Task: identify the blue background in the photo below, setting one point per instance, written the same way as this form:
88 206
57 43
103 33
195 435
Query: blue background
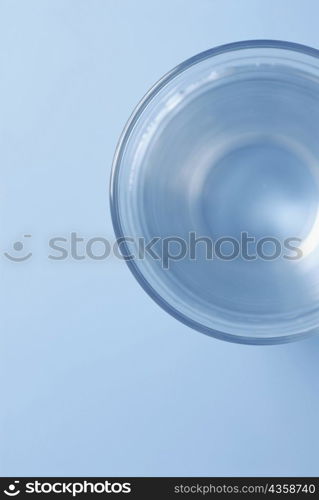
95 378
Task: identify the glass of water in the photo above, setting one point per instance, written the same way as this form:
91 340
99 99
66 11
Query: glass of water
215 192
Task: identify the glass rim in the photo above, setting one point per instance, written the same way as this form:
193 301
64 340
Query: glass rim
116 164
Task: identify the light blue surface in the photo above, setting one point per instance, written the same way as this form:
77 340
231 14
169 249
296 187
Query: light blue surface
95 378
